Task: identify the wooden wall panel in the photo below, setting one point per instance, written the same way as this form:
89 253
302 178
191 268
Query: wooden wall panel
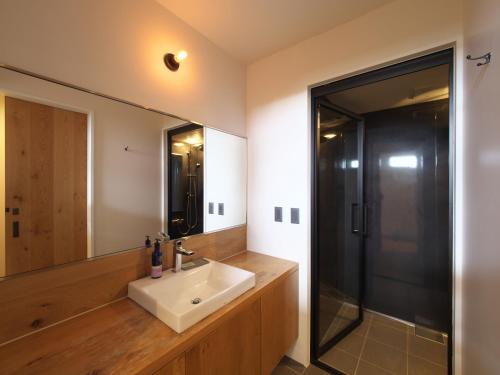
35 300
215 245
280 321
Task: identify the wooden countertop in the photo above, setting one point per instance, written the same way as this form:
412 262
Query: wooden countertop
123 338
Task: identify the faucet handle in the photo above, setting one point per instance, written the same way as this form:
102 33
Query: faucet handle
180 250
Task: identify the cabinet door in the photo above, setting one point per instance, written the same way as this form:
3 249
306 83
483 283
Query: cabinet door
280 321
232 349
176 367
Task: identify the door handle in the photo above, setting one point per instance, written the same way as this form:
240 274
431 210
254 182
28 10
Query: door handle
354 207
365 220
15 229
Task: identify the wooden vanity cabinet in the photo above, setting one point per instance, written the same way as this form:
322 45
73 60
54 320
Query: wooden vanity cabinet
248 336
252 342
233 348
280 321
175 367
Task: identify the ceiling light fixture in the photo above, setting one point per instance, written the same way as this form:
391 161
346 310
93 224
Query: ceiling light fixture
330 135
173 61
194 140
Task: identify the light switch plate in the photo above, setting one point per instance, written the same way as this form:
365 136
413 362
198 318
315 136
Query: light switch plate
294 216
278 214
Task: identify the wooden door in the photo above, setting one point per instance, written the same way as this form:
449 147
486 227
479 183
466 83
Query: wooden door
232 349
45 186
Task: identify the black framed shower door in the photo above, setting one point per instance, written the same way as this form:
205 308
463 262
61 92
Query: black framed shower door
340 226
353 213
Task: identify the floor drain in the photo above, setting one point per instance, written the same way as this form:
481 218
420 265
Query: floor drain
196 301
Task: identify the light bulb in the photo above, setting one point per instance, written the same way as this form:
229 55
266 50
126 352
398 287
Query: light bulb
181 55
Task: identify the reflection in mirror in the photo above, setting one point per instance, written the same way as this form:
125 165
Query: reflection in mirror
185 145
226 180
46 185
86 175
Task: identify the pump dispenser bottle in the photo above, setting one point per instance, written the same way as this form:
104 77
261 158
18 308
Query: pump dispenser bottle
156 261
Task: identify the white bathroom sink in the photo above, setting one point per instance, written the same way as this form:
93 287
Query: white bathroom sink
172 298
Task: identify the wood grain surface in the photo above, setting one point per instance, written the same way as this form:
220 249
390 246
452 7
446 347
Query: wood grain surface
278 334
46 182
34 300
123 338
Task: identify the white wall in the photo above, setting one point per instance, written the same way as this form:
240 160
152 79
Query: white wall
126 185
481 329
225 179
128 191
117 47
278 118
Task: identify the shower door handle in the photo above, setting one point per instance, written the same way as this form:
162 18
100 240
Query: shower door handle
365 220
354 207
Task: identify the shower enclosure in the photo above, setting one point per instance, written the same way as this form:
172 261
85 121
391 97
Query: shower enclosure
185 147
382 205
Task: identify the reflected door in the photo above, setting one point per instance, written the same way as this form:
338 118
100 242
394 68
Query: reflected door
45 186
339 224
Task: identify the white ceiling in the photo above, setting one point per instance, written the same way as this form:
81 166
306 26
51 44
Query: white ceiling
251 29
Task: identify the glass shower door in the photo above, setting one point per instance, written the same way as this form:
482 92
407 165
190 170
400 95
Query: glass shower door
339 224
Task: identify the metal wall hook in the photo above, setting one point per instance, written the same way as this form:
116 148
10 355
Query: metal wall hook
486 57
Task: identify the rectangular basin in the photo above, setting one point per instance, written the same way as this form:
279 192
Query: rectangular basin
184 298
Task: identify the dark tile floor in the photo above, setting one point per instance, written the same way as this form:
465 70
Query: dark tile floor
380 346
344 315
290 367
386 346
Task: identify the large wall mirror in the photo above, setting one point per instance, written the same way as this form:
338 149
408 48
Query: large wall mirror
86 175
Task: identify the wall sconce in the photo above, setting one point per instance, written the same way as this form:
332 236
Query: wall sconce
173 61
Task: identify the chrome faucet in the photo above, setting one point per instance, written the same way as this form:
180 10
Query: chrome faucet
179 251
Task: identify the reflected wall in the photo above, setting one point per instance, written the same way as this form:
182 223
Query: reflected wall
87 174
